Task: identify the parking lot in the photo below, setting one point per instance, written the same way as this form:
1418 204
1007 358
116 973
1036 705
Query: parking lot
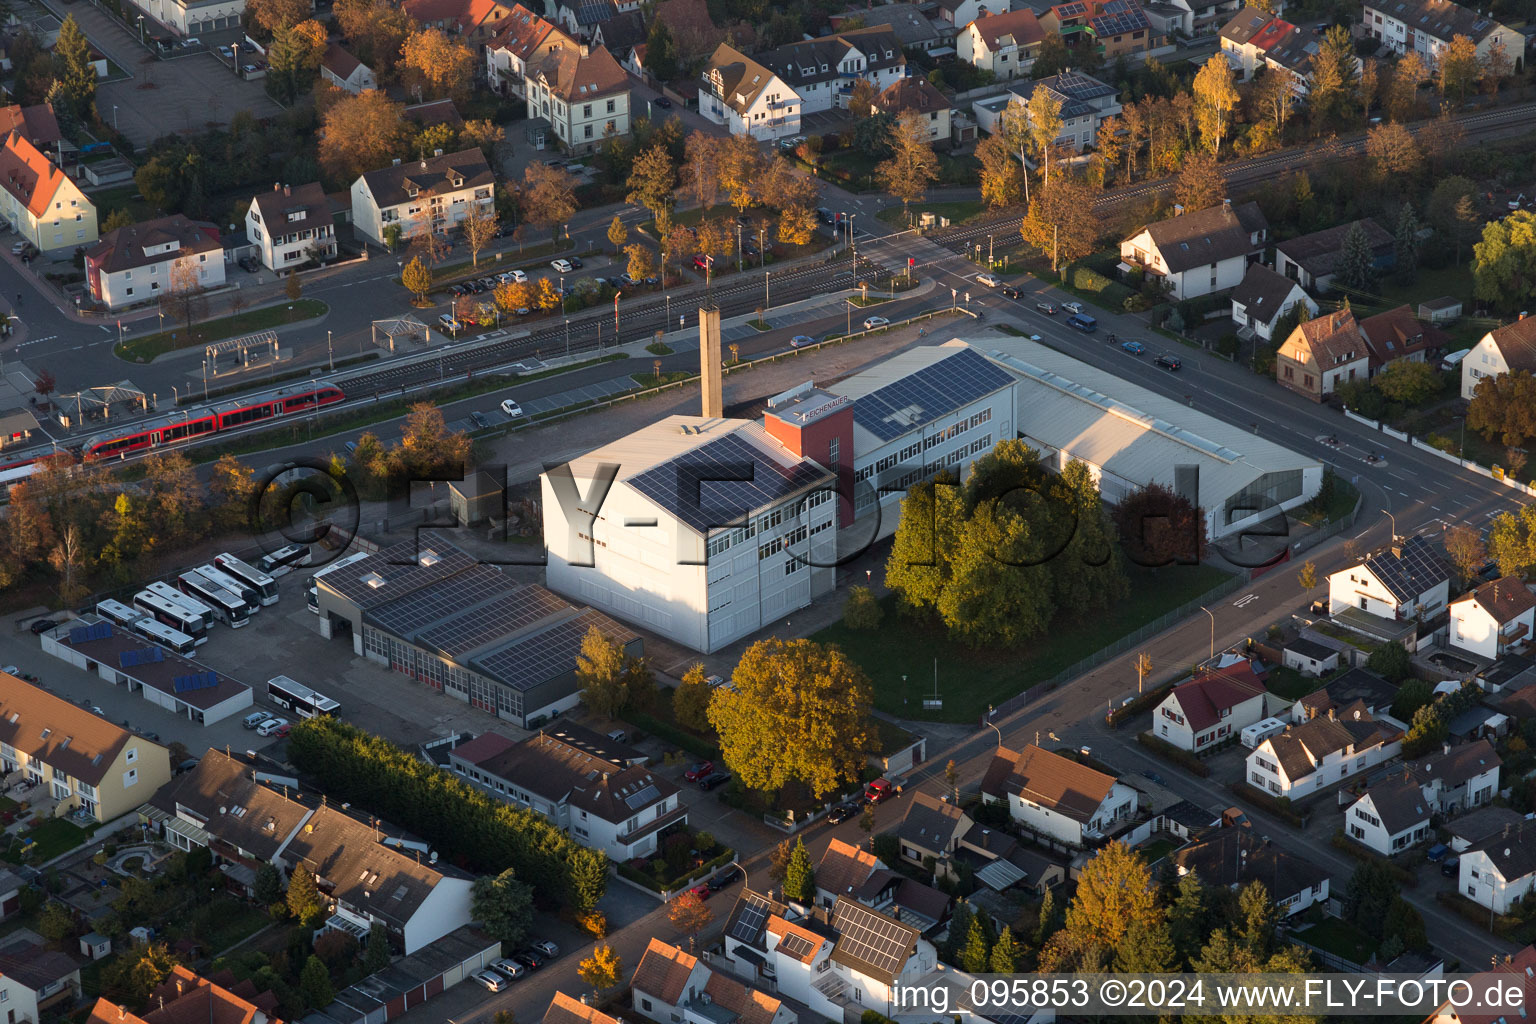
186 94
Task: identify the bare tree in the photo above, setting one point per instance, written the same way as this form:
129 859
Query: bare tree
479 228
185 297
68 560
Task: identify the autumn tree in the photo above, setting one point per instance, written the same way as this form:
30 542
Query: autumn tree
1394 156
272 16
861 100
549 195
797 710
1001 175
359 134
294 59
739 163
1216 97
1061 221
417 279
74 70
375 29
1331 78
230 487
1504 262
1160 527
600 670
602 970
479 225
184 294
912 166
438 63
1503 408
701 168
689 915
1496 68
1200 184
1114 893
1402 97
617 233
1466 551
1458 68
797 225
1044 113
503 906
642 261
71 560
690 701
1368 88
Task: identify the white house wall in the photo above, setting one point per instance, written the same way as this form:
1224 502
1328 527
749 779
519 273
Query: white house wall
446 908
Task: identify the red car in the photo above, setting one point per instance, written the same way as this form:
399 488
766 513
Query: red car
879 791
698 771
283 729
701 262
701 891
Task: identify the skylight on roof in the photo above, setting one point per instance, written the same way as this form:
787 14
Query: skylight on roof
374 580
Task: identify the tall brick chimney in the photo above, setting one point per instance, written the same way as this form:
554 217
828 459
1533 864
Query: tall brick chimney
709 362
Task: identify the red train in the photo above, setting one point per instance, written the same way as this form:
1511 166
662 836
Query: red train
190 424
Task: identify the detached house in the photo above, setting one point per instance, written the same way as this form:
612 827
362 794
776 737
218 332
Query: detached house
37 124
1215 706
822 71
1004 43
843 870
1232 857
37 983
580 90
39 200
922 98
1308 758
1198 253
1109 28
963 12
1397 335
1313 260
747 98
1391 816
1321 354
1246 38
149 260
1500 871
185 997
1054 796
1427 27
931 830
1401 581
1085 102
343 70
292 226
432 194
475 21
1507 349
670 984
515 44
1460 778
1263 298
847 871
598 790
1493 617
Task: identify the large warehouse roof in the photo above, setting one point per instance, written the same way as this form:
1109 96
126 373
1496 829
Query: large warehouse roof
1130 431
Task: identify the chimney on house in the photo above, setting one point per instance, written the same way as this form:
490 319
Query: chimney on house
1226 204
437 152
586 50
1331 716
287 191
276 187
1178 209
1397 547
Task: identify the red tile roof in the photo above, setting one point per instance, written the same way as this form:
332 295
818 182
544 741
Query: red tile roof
27 174
565 1010
1271 34
1054 782
663 971
1022 25
186 998
1204 699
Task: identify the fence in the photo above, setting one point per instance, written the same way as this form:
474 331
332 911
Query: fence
1333 529
1326 959
1119 647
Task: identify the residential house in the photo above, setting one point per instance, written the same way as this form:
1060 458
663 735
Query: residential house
1291 56
1391 816
1198 253
1194 18
1321 354
1467 830
1460 778
1309 657
822 71
580 90
1001 862
1401 581
747 98
516 43
1108 28
1055 796
1500 871
1005 43
1493 617
692 29
291 226
1247 36
153 259
1084 100
343 70
843 870
1215 706
669 984
963 12
1307 758
431 194
620 34
922 98
1399 335
36 124
433 112
564 1009
846 870
598 790
1262 298
224 806
1507 349
83 761
40 201
473 21
1355 686
581 18
1313 260
931 829
185 997
190 18
1427 27
1517 971
36 983
914 28
1232 857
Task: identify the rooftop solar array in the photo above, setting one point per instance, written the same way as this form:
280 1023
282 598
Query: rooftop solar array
796 945
409 615
1408 576
1071 10
642 798
751 918
871 938
401 569
549 653
1118 17
510 612
719 483
925 395
140 656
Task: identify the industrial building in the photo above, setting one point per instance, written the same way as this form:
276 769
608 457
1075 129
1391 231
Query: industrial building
428 609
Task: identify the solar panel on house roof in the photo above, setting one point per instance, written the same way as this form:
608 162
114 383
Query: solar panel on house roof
635 801
437 601
796 945
509 613
718 483
549 653
871 938
925 395
749 923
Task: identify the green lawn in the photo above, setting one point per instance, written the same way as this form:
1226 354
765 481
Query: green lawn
50 839
958 212
124 197
1340 503
1340 938
900 655
1154 852
145 348
1291 684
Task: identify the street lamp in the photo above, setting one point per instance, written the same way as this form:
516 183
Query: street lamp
766 303
114 117
990 712
989 252
330 353
1213 629
1390 516
141 30
616 296
567 335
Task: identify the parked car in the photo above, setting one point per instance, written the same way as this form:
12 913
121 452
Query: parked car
662 102
801 339
227 52
1072 307
350 446
449 323
191 41
283 730
255 718
879 791
870 323
1135 348
701 262
511 968
546 947
1154 777
42 626
490 980
515 276
698 770
575 261
250 264
841 813
270 726
1451 867
478 418
714 779
562 266
18 248
1168 362
486 283
724 878
529 958
511 408
989 280
701 891
1048 308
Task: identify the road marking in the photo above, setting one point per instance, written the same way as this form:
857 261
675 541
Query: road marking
1245 600
1435 507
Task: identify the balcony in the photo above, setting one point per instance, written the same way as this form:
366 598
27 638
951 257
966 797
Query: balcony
672 817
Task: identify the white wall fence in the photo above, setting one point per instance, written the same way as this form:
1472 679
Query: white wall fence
1424 446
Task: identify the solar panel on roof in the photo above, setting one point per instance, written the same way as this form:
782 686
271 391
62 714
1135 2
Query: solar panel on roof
923 396
719 483
507 614
434 603
644 798
796 945
749 923
871 938
549 653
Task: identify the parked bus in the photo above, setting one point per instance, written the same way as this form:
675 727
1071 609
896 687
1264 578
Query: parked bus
165 636
312 593
191 604
228 608
292 695
284 560
118 614
264 585
170 613
244 591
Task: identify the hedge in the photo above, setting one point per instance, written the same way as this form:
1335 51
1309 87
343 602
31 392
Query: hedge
673 734
1145 701
467 826
1503 926
1405 878
1183 758
1270 803
1111 294
648 880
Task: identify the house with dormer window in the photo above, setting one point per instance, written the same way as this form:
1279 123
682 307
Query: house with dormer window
292 225
432 194
1390 816
1215 706
822 71
1200 252
1427 27
40 201
1323 353
1493 618
1402 581
746 97
148 260
1323 751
